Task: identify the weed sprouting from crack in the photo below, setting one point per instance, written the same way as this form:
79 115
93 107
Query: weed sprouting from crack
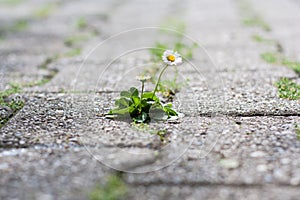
288 89
114 188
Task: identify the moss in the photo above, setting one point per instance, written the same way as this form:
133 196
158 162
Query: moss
114 189
288 89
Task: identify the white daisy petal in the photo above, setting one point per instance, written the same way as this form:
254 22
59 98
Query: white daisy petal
171 58
143 78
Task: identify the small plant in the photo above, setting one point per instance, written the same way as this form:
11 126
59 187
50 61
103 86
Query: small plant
170 87
292 64
256 21
145 106
114 189
276 58
15 104
81 23
288 89
46 10
72 40
72 52
157 51
260 39
270 57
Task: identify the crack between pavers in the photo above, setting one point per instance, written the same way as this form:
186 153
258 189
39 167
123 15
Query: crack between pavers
162 183
249 114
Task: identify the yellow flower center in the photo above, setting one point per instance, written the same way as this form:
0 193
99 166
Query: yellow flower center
171 58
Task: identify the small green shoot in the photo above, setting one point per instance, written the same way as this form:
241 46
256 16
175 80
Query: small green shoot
260 39
114 189
170 87
73 52
276 58
72 40
288 89
157 51
45 11
81 23
270 57
291 64
256 21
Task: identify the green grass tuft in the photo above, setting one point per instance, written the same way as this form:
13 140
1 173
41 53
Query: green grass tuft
114 189
256 21
260 39
45 11
73 52
270 57
14 104
73 40
14 88
288 89
81 23
292 64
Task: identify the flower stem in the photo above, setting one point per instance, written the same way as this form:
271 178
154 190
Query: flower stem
143 85
158 80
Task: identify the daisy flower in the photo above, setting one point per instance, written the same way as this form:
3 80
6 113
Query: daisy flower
143 78
171 58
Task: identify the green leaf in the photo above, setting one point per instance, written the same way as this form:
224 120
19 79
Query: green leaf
170 111
136 100
149 96
134 92
125 94
118 111
122 103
